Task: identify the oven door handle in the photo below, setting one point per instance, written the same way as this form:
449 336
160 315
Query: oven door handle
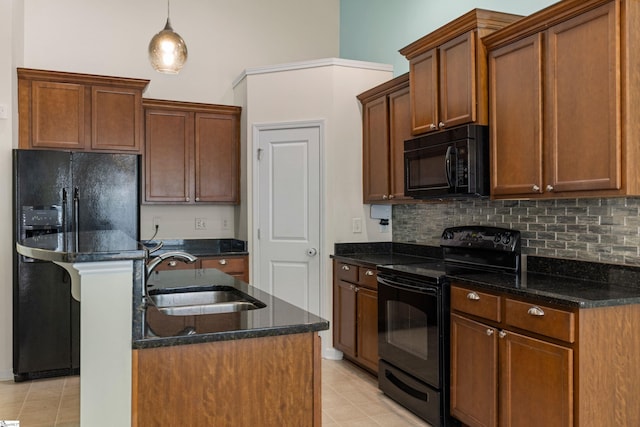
430 290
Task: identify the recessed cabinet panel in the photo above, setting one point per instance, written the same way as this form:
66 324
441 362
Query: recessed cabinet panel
167 155
583 103
458 80
116 115
423 71
58 119
376 150
516 118
217 158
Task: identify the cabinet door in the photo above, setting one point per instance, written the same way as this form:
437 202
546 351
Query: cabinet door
536 383
368 328
116 118
375 150
474 376
217 158
59 115
344 317
583 102
516 118
167 156
399 131
457 73
423 76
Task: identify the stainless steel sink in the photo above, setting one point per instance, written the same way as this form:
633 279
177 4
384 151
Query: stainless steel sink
223 299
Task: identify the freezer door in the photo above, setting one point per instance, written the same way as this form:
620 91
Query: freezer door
105 190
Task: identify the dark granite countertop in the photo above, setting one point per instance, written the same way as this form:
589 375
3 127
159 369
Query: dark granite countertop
277 318
201 247
381 253
84 246
568 283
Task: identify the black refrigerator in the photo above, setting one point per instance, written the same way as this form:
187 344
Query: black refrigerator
61 191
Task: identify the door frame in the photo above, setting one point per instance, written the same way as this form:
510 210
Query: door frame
255 198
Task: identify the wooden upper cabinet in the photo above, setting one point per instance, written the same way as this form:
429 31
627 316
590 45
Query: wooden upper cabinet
192 152
557 103
448 74
386 124
80 112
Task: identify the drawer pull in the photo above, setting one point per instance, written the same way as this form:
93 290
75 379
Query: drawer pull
368 273
535 311
473 296
346 268
223 262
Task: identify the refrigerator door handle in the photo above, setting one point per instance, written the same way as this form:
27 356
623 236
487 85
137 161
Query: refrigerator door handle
64 209
76 213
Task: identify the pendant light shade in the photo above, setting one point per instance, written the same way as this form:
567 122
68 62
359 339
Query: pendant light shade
167 50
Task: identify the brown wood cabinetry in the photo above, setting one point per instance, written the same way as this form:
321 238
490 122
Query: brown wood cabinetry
561 81
268 381
234 265
355 313
516 363
448 72
192 152
386 124
80 112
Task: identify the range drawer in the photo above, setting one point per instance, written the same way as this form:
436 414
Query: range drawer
475 303
347 272
540 319
368 277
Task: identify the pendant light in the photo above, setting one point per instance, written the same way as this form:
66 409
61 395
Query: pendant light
167 50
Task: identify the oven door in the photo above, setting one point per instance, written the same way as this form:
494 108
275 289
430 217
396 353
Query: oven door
410 327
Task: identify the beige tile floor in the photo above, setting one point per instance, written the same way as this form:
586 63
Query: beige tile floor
350 398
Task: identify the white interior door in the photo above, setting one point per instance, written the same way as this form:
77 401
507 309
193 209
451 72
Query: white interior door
288 226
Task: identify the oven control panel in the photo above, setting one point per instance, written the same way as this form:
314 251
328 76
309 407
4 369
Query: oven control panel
479 237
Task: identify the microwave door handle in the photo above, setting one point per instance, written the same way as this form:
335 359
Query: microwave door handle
447 165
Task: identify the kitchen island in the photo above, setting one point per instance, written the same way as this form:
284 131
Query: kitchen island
248 367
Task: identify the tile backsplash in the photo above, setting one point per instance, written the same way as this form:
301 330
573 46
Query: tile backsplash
603 230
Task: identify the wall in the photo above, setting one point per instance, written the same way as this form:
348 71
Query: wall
111 38
374 30
321 90
604 230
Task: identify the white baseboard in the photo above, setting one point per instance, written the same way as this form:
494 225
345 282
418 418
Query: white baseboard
331 353
6 375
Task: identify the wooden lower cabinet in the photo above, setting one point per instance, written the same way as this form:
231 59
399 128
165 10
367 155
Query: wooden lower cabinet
267 381
234 265
516 363
355 314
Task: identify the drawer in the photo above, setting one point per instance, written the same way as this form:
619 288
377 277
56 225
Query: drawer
540 319
225 264
475 303
347 272
368 277
175 264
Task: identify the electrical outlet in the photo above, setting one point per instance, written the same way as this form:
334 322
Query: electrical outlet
225 224
201 224
356 225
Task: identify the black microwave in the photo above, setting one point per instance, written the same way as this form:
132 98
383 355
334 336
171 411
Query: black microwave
449 163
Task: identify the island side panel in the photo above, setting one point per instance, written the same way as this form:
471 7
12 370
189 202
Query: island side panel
266 381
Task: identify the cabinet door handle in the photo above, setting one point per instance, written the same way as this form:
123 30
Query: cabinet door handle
490 332
345 268
549 187
187 199
441 125
433 127
473 296
384 197
536 311
223 262
535 188
197 199
502 334
369 273
173 263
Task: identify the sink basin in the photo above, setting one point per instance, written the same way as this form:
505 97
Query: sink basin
222 299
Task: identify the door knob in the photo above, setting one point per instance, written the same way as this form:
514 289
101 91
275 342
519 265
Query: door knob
312 251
